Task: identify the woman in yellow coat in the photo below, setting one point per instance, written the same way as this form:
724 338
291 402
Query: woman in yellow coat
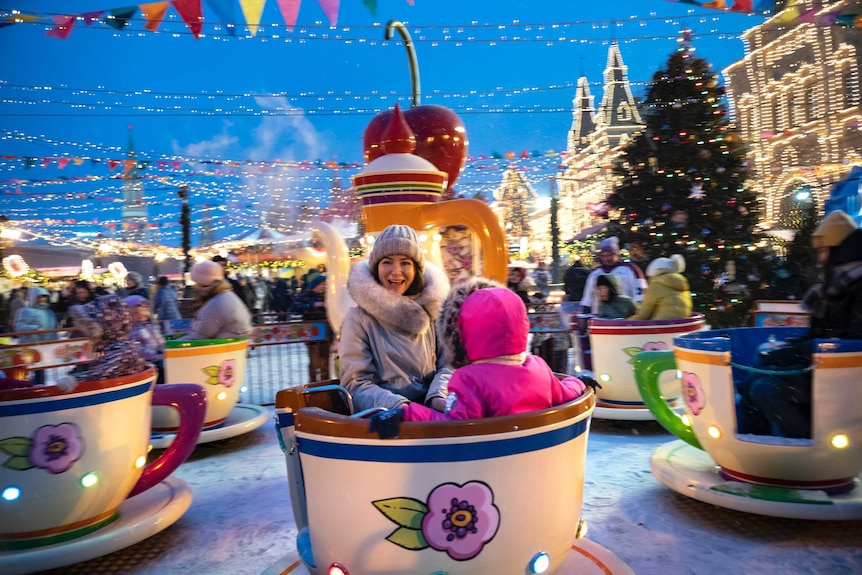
667 295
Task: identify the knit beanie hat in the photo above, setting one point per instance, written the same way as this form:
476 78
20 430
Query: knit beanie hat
611 244
675 264
206 273
397 240
833 230
134 301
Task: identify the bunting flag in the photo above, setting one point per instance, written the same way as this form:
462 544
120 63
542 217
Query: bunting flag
63 28
372 6
154 13
190 12
225 11
289 11
252 10
119 18
90 17
330 8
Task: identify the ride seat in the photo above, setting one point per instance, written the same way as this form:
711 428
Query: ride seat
327 395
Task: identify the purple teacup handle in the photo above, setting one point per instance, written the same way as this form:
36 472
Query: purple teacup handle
190 400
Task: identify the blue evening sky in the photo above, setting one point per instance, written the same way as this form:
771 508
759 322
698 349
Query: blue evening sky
509 69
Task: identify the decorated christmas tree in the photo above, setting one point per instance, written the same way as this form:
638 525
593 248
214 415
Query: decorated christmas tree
683 190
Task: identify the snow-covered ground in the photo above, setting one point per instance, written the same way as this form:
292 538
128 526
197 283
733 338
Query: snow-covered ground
240 521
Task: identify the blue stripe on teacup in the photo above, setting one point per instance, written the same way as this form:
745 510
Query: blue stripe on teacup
389 453
58 403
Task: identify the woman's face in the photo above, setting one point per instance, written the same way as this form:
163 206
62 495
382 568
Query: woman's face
396 273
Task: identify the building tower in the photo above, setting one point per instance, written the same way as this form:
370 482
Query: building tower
134 210
207 236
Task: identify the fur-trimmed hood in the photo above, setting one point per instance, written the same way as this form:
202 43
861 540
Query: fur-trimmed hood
402 314
447 324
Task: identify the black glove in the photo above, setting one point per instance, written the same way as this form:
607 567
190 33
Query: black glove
385 423
590 382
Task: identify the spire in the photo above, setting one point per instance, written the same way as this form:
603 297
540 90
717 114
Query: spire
618 115
583 117
131 153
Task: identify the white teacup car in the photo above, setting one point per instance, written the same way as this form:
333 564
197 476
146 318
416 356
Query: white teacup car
217 365
496 495
719 461
608 348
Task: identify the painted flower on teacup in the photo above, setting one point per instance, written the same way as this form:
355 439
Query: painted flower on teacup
223 374
52 447
693 392
457 519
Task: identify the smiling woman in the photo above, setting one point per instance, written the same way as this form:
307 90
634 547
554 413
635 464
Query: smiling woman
388 350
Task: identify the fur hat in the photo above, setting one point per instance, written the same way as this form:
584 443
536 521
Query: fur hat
397 240
611 244
137 278
447 322
206 273
833 230
675 264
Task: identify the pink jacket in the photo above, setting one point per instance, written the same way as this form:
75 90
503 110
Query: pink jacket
500 379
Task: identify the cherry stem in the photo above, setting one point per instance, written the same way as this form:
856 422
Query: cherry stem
411 57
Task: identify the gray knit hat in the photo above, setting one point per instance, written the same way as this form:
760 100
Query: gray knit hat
397 240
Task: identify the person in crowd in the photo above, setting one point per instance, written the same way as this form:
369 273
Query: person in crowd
632 281
166 302
234 283
388 349
245 293
542 279
612 305
145 332
518 283
667 295
219 313
312 305
17 300
280 299
135 285
107 321
575 279
37 315
493 375
780 403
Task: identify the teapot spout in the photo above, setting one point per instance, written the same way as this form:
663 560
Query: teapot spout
338 300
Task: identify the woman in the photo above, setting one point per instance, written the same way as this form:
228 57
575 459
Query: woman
312 305
37 315
388 349
219 311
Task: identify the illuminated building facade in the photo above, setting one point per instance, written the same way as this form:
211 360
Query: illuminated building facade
796 99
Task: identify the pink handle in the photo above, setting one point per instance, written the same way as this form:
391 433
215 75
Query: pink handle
190 400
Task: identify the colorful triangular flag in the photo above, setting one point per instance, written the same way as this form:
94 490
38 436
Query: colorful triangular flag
251 10
190 12
154 13
330 8
63 28
289 11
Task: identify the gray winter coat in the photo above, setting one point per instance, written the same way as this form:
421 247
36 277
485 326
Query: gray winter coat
223 316
388 350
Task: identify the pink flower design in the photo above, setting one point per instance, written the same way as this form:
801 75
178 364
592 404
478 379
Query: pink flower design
227 372
461 519
655 346
693 392
56 447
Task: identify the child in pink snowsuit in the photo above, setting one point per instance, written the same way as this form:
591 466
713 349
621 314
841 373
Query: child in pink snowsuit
484 329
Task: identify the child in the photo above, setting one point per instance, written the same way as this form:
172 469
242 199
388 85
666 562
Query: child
146 333
484 329
612 304
107 322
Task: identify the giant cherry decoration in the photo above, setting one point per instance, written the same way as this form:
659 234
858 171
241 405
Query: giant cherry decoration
440 135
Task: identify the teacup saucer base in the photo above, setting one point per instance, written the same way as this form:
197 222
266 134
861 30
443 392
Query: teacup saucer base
692 472
141 516
585 558
241 419
631 414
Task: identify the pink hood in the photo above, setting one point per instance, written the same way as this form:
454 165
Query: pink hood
493 323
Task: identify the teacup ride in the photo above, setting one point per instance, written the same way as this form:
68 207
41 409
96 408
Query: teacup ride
496 495
74 479
608 348
719 462
217 365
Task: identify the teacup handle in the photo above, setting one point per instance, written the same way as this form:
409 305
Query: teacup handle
190 400
648 365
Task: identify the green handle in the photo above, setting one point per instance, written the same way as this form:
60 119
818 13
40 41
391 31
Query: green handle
411 57
648 365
